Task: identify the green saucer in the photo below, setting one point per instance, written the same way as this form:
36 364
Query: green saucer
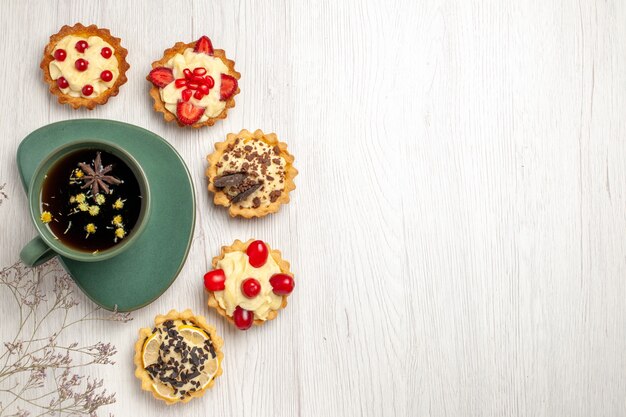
142 273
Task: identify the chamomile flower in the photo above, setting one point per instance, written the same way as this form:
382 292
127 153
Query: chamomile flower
100 199
46 217
90 229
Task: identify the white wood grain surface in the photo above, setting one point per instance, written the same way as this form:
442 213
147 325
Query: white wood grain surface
458 230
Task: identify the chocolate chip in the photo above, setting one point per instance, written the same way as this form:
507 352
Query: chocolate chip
275 194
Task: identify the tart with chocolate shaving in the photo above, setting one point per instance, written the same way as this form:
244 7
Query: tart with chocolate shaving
84 65
251 174
249 283
194 84
179 358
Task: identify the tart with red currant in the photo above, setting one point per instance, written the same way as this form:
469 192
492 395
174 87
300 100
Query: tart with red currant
249 283
194 84
251 173
84 65
179 358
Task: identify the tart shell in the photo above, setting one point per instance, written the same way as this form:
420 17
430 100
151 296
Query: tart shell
239 246
145 333
85 31
159 105
221 199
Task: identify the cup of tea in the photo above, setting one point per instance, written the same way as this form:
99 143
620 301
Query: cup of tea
89 201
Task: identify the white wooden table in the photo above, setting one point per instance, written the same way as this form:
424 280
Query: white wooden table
458 232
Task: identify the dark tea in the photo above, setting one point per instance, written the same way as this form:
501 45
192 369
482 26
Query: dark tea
91 200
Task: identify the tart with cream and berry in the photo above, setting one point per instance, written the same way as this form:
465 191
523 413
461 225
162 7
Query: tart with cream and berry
249 284
194 84
179 358
84 65
251 174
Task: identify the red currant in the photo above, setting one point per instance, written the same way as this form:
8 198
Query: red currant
60 55
87 90
257 253
106 76
209 81
187 93
81 64
81 46
243 318
62 82
282 284
106 52
198 95
187 73
250 287
180 83
214 280
199 71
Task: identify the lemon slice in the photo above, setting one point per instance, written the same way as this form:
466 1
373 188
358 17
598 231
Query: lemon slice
196 337
210 369
150 352
193 335
164 391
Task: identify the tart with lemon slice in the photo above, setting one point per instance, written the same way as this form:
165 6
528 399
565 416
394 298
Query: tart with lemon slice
179 358
249 283
251 173
84 65
194 84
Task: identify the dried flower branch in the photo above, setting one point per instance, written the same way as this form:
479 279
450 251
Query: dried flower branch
3 195
39 373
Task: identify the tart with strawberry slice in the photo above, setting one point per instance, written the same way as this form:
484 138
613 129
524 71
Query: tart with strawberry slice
249 283
84 65
194 84
251 173
179 358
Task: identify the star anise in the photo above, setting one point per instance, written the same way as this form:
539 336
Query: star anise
96 177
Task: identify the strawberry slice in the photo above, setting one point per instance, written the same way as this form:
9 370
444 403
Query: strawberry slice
228 87
188 113
204 45
161 76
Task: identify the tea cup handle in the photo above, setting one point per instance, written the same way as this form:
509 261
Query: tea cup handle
36 252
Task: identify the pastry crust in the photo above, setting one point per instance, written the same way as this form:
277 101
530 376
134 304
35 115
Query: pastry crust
145 333
239 246
159 105
85 31
221 199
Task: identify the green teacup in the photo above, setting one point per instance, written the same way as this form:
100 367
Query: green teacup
50 243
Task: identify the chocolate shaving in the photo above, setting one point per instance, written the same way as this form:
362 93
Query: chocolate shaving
229 180
245 194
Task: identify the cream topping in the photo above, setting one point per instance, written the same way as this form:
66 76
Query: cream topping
97 63
262 162
183 364
215 67
236 269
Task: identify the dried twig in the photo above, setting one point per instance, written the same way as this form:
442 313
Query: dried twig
39 374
